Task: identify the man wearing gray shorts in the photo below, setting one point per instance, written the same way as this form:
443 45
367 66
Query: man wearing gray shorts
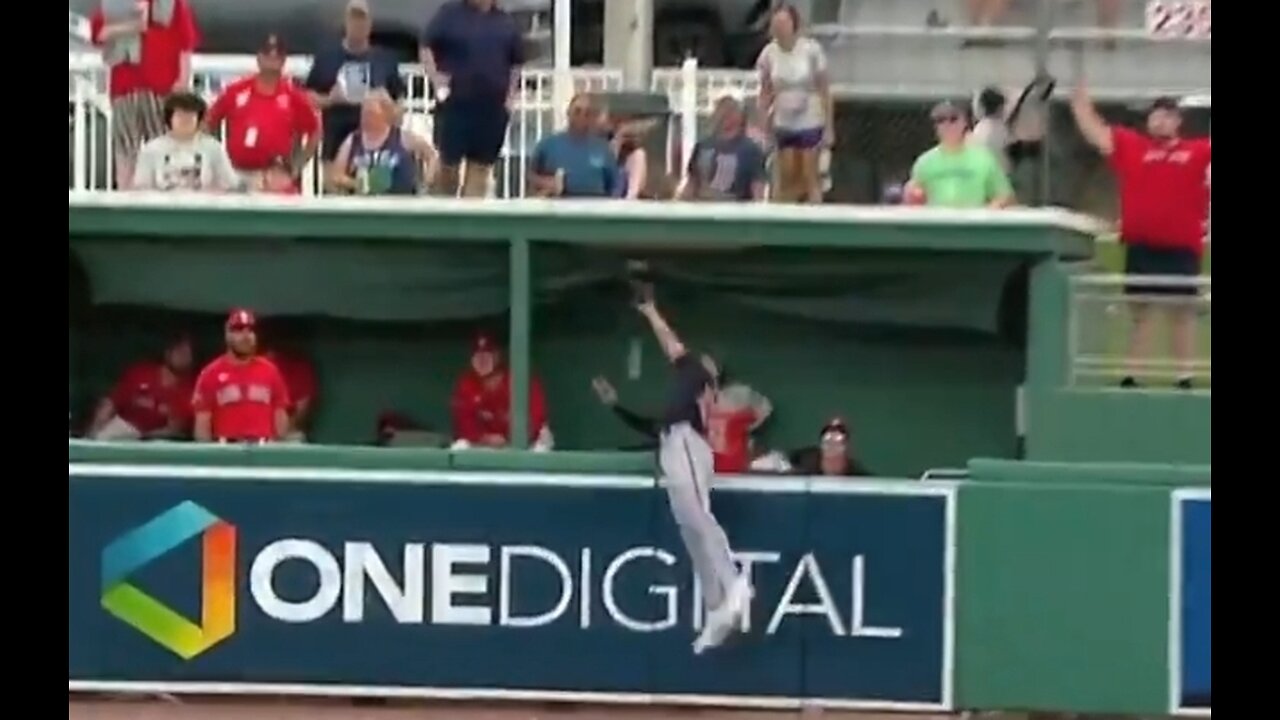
685 459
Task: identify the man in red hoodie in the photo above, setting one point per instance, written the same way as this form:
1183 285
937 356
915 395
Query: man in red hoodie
481 405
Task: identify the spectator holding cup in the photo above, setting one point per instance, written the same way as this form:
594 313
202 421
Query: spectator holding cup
577 162
343 75
472 52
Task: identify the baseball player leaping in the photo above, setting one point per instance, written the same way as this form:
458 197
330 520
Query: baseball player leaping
685 460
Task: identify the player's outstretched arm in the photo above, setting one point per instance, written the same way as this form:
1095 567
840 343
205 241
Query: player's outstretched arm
667 337
1091 124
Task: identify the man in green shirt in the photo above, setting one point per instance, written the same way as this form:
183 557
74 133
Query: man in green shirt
954 173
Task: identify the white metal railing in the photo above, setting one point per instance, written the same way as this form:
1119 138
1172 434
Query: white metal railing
533 116
691 93
1101 321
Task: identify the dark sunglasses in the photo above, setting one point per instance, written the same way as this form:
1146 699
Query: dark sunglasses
945 119
240 328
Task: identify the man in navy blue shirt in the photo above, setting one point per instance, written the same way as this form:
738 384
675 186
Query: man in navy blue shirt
472 52
577 162
728 166
343 75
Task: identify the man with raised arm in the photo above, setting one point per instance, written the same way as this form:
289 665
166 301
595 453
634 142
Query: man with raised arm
687 465
1164 204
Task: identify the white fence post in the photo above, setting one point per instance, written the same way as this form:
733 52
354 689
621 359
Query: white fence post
688 111
562 82
79 140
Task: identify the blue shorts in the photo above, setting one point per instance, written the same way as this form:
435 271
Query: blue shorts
799 139
470 129
1142 259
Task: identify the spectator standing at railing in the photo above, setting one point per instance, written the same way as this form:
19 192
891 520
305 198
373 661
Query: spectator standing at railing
729 165
380 157
577 162
267 116
1164 203
795 93
147 44
185 158
955 173
472 51
342 76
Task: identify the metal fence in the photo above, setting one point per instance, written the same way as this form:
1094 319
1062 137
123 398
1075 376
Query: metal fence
1101 323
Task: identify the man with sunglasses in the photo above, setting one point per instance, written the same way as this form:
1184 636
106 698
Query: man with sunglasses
578 162
955 173
267 116
241 396
688 467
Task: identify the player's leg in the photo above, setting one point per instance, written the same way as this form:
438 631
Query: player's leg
1183 312
687 479
487 133
1138 262
450 140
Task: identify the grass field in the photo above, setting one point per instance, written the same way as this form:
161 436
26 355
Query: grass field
1103 324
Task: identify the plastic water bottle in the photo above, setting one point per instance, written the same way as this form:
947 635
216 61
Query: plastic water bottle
362 181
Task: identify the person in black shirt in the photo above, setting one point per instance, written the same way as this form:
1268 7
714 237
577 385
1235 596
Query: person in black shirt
687 465
832 456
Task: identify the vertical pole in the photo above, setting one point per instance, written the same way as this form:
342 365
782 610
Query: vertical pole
561 43
79 138
1044 26
520 347
688 111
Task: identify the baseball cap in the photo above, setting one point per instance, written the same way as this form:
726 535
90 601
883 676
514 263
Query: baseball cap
273 43
1165 102
484 342
835 429
358 6
947 108
240 319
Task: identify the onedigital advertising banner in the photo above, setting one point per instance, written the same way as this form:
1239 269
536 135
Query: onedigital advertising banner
524 585
1191 602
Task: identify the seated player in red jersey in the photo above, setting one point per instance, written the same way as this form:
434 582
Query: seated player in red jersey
241 396
482 402
300 379
151 400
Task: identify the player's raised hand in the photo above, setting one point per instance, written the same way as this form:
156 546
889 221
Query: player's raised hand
642 296
605 391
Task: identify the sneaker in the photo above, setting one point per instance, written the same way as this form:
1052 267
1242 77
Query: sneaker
1184 383
719 624
724 620
1128 382
738 600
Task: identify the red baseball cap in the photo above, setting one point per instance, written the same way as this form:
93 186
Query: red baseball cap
240 319
484 343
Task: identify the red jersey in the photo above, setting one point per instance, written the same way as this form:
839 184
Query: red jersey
729 434
241 397
162 48
262 126
479 410
298 376
1164 189
142 399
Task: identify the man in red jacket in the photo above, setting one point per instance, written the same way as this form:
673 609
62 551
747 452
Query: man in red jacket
266 117
481 404
1164 206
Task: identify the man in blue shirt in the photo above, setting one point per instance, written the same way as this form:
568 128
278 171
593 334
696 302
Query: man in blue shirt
577 162
342 76
472 52
728 166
